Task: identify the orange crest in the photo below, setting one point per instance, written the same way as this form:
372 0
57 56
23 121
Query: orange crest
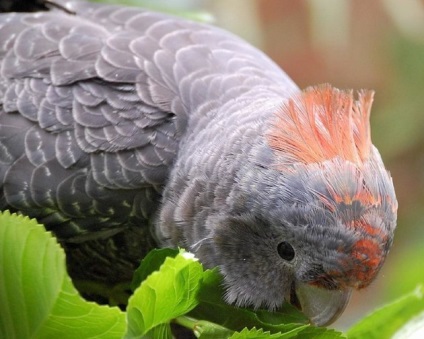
322 123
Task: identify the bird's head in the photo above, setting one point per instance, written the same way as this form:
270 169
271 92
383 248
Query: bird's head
313 216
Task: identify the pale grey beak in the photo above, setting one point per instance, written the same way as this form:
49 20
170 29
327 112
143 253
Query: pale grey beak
321 306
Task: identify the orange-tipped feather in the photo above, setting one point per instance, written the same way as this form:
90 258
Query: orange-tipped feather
322 123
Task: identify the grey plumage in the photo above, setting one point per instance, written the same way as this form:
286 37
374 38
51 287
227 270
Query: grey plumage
94 107
122 129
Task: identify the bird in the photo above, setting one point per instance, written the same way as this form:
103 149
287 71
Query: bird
124 129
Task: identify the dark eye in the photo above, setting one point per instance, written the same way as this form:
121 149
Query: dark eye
285 250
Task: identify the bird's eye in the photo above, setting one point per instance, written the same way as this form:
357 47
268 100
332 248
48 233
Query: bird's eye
285 250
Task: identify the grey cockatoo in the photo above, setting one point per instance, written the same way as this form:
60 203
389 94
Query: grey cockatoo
122 129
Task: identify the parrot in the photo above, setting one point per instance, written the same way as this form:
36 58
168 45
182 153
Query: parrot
123 129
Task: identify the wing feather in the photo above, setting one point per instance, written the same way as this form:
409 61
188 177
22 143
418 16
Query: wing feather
101 99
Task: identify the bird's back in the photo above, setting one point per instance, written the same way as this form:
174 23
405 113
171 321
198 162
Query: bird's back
95 101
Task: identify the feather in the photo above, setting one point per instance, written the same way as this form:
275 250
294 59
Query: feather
320 124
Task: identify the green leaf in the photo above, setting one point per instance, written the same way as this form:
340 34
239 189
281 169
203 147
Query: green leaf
386 321
162 331
260 334
164 295
37 297
213 308
413 329
287 321
150 263
312 332
204 329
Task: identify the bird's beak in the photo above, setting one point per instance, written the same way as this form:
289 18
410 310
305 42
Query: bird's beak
321 306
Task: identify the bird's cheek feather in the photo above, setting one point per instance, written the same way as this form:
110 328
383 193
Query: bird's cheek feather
357 270
369 256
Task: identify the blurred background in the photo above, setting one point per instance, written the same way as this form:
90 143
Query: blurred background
351 44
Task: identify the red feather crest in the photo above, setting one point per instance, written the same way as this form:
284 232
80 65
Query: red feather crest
322 123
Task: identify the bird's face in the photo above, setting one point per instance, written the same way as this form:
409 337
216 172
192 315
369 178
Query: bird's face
265 266
310 247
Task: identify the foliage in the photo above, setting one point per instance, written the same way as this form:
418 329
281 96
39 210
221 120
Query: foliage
38 299
386 321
